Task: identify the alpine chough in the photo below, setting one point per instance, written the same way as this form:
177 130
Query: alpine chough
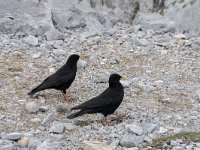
62 78
106 103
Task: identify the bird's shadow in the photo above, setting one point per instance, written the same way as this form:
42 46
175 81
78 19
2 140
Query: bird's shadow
83 123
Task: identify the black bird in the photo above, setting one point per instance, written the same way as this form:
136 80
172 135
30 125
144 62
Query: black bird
61 79
106 103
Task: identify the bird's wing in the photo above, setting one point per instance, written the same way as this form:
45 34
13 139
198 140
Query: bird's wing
102 100
56 80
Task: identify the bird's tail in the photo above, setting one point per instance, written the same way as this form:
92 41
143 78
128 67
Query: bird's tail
35 90
76 114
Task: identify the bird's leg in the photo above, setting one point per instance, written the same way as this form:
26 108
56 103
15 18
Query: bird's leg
120 116
67 96
106 121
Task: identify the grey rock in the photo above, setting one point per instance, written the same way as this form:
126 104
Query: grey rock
33 143
135 129
56 137
56 127
32 107
47 145
58 44
12 136
31 40
180 36
141 42
150 127
70 126
43 108
49 118
59 52
81 63
93 57
198 94
132 148
54 34
88 34
97 145
69 19
6 144
159 83
102 78
197 41
174 143
162 130
125 83
131 141
155 22
146 88
7 147
36 55
184 11
62 107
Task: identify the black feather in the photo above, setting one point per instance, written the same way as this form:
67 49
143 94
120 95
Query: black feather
61 79
106 103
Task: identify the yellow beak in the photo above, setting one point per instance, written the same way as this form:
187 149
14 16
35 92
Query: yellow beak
122 78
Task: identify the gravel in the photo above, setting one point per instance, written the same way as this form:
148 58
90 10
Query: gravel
32 107
56 127
161 95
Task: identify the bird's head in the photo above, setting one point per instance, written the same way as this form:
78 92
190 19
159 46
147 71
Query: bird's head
115 78
73 58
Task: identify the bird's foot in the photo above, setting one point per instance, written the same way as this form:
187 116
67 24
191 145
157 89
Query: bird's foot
120 117
106 121
68 97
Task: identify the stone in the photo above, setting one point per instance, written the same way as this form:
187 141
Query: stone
131 141
102 78
54 34
70 126
68 19
32 107
56 127
59 52
36 55
141 42
159 83
47 145
198 94
150 127
88 34
6 145
197 41
155 22
43 109
33 143
49 118
31 40
62 107
174 143
184 11
146 88
125 83
36 120
180 36
23 141
134 128
132 148
12 136
97 145
162 130
81 64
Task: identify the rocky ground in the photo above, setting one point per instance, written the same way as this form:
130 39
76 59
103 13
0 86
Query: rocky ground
162 90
